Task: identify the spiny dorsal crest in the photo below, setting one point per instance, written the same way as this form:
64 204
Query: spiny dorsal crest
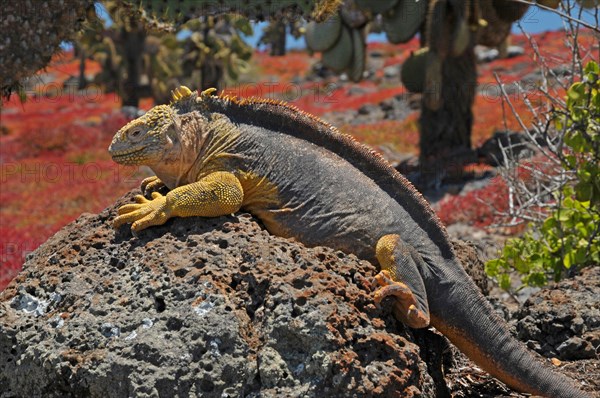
183 100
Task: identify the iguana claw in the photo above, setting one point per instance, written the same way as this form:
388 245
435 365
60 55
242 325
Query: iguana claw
151 184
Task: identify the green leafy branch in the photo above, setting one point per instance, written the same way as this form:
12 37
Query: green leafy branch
569 238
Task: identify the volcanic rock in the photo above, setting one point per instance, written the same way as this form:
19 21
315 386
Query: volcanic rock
199 307
564 321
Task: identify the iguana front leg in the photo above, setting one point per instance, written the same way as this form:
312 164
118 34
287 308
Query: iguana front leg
400 277
217 194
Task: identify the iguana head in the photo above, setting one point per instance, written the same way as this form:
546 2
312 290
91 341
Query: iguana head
145 140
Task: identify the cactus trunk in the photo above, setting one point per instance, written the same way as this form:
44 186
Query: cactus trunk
450 125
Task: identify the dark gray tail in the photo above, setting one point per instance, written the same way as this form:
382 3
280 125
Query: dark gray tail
462 314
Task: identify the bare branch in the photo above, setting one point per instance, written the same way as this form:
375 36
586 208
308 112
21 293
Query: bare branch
562 14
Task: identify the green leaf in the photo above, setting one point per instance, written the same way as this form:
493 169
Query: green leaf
595 101
537 279
591 67
581 255
576 141
583 191
549 224
565 214
582 229
536 261
571 161
521 265
584 175
492 266
509 251
504 281
576 91
569 258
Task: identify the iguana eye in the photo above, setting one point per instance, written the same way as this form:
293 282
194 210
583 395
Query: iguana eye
135 133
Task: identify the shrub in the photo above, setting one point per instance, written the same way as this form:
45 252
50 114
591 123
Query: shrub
569 237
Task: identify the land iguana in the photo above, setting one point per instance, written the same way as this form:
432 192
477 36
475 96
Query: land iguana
306 180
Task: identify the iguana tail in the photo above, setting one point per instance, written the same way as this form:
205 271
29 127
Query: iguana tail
461 313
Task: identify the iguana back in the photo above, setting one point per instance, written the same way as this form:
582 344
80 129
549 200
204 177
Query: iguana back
276 116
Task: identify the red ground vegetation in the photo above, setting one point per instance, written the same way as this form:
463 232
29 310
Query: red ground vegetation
478 207
54 166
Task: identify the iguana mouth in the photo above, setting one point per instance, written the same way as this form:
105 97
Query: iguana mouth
126 154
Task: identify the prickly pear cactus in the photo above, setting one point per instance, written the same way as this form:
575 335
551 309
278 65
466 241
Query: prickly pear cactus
342 45
32 31
339 57
589 3
183 10
508 10
359 55
549 3
496 28
376 6
321 36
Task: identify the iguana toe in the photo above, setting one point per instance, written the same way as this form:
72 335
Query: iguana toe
140 199
389 287
130 208
126 209
406 302
151 184
154 218
144 213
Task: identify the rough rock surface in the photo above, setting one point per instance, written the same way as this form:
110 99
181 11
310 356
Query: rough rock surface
467 255
212 307
564 322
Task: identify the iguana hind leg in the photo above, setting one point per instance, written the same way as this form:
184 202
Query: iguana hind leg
400 277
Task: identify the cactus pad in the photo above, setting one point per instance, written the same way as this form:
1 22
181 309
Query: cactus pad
339 56
402 22
321 36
